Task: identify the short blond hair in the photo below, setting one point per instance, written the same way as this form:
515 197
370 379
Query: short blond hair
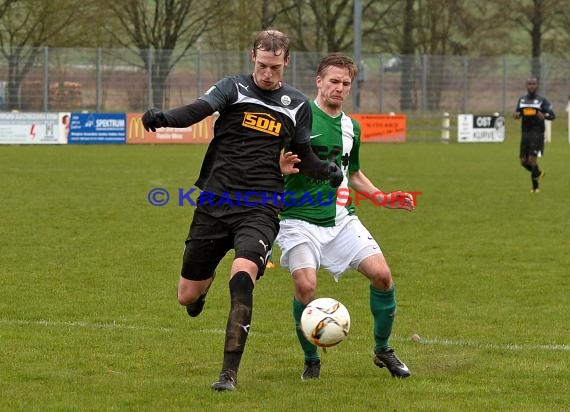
337 60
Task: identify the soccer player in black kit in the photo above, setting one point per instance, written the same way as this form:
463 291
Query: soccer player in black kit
534 110
241 183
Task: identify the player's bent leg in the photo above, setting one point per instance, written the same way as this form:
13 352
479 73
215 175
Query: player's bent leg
383 308
526 165
536 173
199 262
305 288
303 263
192 294
190 290
376 269
305 284
526 161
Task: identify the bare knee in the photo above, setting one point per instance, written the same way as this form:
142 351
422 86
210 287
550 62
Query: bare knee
382 278
305 285
377 271
190 290
185 298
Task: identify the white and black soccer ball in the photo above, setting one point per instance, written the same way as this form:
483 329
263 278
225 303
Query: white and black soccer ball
325 322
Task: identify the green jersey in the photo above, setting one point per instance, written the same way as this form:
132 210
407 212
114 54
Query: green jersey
335 139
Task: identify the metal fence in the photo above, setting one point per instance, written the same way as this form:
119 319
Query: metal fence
118 80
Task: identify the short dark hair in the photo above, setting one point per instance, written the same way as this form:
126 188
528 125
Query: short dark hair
271 40
337 60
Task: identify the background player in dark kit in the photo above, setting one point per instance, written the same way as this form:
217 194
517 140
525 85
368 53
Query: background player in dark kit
533 109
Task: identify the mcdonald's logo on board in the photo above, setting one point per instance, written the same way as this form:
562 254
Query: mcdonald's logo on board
203 129
135 129
201 132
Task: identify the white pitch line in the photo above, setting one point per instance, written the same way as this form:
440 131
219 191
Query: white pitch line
479 345
423 341
80 324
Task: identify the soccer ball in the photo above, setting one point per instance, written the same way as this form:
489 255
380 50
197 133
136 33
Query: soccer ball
325 322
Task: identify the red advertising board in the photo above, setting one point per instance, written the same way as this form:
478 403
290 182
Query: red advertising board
382 127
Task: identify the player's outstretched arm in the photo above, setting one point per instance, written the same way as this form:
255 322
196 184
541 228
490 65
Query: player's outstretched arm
394 200
400 200
179 117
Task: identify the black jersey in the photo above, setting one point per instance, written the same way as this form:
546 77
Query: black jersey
253 126
528 106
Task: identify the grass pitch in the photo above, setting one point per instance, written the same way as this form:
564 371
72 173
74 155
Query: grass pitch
88 274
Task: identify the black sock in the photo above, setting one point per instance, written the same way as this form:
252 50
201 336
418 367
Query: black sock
534 176
527 166
239 319
535 172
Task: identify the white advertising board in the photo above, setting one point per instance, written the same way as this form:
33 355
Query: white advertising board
476 128
33 128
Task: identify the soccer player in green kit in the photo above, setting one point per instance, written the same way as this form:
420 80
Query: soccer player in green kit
315 231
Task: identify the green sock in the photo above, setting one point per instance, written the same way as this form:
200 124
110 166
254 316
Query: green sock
310 350
383 308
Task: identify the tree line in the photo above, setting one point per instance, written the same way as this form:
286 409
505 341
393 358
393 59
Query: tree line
170 28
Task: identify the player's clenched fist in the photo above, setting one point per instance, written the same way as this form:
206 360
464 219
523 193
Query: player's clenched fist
153 119
335 174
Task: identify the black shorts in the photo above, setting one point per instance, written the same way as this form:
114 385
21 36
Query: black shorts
532 144
214 230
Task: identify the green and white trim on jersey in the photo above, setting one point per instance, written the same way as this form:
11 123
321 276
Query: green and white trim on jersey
315 201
